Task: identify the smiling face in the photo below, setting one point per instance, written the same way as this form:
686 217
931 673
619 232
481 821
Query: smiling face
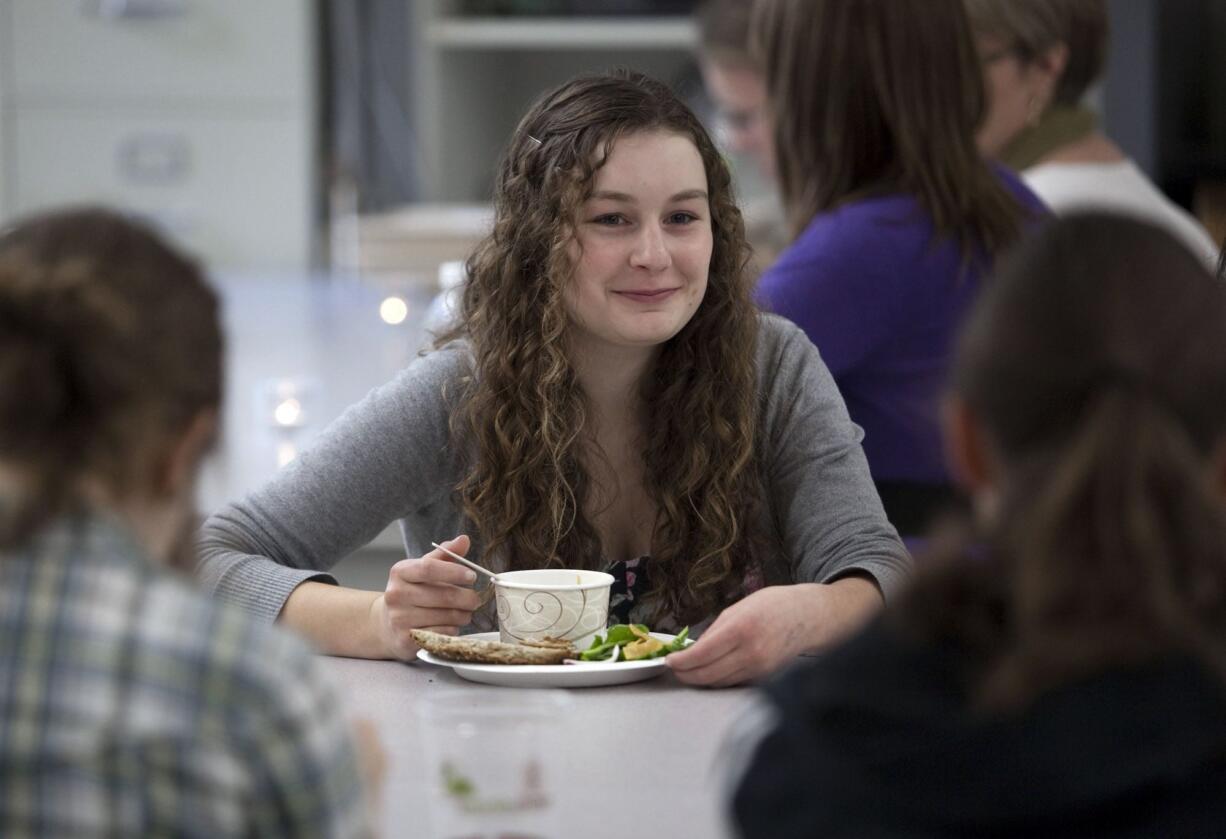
643 243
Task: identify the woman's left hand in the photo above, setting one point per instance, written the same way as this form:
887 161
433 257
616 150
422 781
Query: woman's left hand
754 636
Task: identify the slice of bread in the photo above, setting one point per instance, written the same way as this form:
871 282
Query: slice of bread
489 652
549 644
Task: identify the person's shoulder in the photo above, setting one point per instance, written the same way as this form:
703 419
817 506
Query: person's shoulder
777 334
419 393
229 653
861 242
818 259
1119 187
856 228
782 344
450 362
875 667
256 698
852 717
1066 186
789 366
1020 188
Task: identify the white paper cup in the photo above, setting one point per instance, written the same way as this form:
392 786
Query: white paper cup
552 603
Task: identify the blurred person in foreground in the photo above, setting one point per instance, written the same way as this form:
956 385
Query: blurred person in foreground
130 703
1067 677
1039 59
895 215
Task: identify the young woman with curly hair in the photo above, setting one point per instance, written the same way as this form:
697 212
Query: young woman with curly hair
610 399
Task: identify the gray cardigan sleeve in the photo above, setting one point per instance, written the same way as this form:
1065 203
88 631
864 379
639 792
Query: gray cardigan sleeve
826 510
384 458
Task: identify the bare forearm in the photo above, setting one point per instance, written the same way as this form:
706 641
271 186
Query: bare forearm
338 621
836 610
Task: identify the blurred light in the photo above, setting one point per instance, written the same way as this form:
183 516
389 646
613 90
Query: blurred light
288 412
286 451
393 310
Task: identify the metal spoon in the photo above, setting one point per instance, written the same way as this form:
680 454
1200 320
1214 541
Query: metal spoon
468 563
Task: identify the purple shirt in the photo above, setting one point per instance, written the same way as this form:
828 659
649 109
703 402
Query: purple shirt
882 302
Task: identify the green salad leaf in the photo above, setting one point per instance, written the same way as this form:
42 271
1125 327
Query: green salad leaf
636 643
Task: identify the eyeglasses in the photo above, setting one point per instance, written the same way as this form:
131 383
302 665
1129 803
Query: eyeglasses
999 54
739 120
1015 50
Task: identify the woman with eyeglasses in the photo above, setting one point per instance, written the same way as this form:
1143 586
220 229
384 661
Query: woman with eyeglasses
1039 58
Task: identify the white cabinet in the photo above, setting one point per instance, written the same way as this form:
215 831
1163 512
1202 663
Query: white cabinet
197 114
475 77
231 188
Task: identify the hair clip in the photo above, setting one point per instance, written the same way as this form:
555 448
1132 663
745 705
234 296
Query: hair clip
534 140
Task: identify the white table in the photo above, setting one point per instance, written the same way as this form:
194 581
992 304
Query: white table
662 738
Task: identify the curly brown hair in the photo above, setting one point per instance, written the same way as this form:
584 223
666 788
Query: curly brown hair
522 416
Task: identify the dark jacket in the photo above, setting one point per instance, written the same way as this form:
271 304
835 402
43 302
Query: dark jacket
878 739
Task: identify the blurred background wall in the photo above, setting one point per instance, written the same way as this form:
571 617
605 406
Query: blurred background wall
362 135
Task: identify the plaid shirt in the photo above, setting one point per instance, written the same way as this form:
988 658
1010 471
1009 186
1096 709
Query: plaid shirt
133 705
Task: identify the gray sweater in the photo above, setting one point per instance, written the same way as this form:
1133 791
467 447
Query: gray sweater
390 457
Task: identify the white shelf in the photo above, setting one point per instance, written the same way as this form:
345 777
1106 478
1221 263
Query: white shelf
562 33
474 76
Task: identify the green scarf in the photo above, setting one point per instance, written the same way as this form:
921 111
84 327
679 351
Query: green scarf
1059 126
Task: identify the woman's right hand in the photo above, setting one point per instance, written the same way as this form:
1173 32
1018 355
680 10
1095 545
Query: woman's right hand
431 592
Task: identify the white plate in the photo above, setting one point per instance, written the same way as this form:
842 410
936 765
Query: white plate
586 675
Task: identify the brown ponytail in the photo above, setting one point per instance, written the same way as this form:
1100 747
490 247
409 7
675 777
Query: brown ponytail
109 344
1097 365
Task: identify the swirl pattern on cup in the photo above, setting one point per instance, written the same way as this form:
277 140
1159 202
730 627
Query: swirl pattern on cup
526 614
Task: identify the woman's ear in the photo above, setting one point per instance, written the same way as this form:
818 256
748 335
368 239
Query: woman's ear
1047 69
966 447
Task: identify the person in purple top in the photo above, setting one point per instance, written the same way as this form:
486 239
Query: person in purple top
895 216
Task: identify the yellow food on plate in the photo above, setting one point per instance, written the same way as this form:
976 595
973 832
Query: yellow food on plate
642 648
